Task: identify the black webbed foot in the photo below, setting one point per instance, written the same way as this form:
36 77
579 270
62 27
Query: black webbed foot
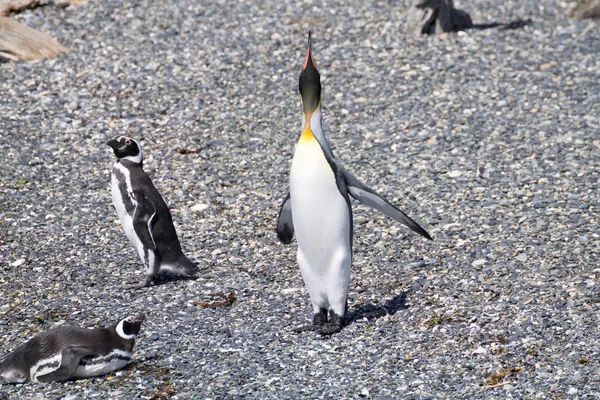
135 286
319 320
335 325
305 328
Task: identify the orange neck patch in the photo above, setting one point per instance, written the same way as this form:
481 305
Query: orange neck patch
307 132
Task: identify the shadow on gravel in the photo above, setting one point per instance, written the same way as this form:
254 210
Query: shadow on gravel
517 24
371 311
165 277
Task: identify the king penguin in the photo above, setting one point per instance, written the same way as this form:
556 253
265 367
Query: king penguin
144 215
69 352
318 211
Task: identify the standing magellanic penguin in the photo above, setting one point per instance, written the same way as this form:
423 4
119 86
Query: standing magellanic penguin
70 352
318 210
144 215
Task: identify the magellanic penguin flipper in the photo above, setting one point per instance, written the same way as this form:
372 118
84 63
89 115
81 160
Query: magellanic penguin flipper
369 197
71 356
285 223
143 217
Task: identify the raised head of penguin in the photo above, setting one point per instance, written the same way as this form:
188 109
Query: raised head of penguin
126 148
144 215
70 352
317 209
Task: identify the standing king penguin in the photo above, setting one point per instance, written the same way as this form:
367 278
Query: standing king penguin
144 215
69 352
318 210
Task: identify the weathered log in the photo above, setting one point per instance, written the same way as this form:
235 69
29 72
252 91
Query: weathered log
19 42
585 9
9 7
436 16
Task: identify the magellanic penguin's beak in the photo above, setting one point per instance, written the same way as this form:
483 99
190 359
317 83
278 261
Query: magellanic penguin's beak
140 317
114 143
310 85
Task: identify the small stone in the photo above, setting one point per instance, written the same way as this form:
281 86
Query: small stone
18 263
291 290
479 262
522 257
418 264
199 207
455 174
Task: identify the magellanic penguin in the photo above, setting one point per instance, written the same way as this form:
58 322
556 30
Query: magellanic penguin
69 352
318 210
144 215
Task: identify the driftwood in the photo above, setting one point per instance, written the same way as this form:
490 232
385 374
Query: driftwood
585 9
19 42
436 16
9 7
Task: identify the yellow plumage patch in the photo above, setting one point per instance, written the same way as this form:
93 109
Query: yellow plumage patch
307 135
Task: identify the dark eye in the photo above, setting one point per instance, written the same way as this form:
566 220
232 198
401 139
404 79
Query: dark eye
127 141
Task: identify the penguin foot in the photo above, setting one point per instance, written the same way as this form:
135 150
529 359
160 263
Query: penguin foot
319 320
335 325
330 329
135 286
305 328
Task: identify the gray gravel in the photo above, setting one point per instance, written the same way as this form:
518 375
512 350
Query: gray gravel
490 138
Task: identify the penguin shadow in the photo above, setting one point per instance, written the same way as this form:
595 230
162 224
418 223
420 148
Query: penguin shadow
163 278
372 311
516 24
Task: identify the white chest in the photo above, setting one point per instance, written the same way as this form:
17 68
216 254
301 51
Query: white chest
120 187
311 176
319 211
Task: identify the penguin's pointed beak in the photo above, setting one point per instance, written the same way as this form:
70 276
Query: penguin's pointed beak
309 56
310 83
114 143
141 317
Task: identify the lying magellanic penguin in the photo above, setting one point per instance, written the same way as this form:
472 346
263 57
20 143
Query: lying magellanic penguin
318 210
69 352
144 215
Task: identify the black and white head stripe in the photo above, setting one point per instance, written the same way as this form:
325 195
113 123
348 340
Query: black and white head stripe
129 327
126 148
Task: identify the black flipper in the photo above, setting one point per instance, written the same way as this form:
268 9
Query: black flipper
369 197
142 224
71 356
285 224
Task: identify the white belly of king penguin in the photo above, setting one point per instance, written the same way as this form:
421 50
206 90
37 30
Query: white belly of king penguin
322 223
